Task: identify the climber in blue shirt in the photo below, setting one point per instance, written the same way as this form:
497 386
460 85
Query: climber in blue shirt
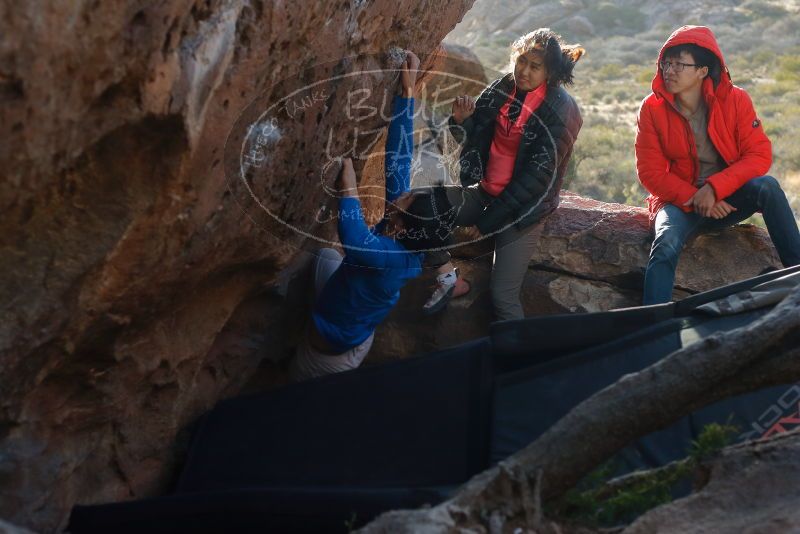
354 293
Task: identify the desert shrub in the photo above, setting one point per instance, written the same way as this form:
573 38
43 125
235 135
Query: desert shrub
609 71
607 16
788 69
593 503
604 166
620 94
764 8
644 75
775 90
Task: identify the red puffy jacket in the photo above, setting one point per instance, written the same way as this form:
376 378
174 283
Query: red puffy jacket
666 155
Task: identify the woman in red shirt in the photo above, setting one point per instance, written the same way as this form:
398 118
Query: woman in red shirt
517 140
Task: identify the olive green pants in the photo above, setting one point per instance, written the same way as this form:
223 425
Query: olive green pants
513 249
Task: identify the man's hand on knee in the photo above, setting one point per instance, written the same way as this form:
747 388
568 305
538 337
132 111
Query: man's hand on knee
721 210
703 201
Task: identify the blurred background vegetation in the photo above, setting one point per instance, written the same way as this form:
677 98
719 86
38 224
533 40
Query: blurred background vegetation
760 40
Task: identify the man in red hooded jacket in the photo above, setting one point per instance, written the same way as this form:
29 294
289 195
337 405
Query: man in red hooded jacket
702 153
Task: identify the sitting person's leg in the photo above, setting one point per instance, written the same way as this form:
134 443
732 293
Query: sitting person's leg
673 227
764 194
512 254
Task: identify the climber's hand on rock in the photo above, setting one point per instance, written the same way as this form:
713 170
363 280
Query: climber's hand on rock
408 74
347 183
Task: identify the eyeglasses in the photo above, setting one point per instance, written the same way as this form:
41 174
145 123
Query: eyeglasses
676 66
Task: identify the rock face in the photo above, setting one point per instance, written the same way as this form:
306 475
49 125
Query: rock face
754 487
453 71
130 264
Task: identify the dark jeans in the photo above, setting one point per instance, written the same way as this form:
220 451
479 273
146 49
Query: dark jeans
673 227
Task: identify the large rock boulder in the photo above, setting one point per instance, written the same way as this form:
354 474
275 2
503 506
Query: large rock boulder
610 243
754 487
130 263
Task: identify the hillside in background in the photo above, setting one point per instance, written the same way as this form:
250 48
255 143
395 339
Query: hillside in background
760 40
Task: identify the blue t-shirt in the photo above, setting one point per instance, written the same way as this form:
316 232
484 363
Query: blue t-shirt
364 289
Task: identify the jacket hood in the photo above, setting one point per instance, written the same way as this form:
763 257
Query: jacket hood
700 36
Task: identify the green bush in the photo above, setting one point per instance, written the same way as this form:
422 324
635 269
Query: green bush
788 69
604 167
645 75
607 16
621 94
763 8
592 504
596 94
609 71
776 89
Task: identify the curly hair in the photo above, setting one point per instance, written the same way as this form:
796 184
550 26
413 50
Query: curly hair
559 59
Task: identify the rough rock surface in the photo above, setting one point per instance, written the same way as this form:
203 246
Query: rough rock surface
126 261
450 72
610 243
754 487
456 71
